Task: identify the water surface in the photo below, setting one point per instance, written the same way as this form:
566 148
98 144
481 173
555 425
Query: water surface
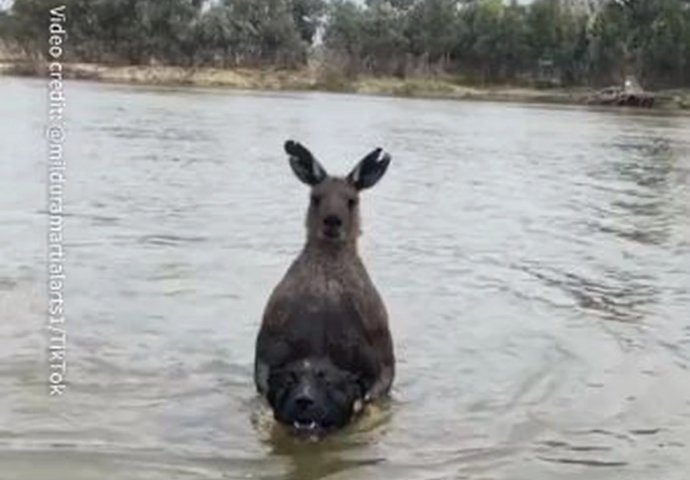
535 262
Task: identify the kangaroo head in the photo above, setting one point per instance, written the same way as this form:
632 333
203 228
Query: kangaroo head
333 214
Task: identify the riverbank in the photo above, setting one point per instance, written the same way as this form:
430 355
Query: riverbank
317 80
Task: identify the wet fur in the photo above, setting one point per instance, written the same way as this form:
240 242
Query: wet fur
326 306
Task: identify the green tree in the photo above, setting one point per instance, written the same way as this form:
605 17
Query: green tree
384 42
432 28
481 43
307 15
609 44
493 40
664 45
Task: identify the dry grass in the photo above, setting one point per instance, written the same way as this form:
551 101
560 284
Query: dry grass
321 78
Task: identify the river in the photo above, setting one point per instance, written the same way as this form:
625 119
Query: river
535 261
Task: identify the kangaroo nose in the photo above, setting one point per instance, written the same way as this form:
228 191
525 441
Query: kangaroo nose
332 221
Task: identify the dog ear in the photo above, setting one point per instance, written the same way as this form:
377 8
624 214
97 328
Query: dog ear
359 383
304 165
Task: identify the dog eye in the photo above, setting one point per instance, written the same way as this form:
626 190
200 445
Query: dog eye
352 203
315 200
288 378
321 375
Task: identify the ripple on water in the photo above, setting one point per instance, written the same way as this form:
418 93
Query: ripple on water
534 261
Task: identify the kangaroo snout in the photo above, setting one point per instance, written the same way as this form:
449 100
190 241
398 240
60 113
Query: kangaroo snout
332 221
332 226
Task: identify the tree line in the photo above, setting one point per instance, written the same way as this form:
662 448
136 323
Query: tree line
488 41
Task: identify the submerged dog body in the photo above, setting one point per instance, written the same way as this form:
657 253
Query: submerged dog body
324 346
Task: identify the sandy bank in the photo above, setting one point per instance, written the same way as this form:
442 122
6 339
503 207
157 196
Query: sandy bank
311 79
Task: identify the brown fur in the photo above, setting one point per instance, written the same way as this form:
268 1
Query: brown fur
326 304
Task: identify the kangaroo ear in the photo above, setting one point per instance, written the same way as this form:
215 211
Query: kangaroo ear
303 163
369 170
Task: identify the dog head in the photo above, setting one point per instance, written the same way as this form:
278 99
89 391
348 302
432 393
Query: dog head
314 396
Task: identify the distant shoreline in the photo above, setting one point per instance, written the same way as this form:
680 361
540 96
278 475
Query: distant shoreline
311 80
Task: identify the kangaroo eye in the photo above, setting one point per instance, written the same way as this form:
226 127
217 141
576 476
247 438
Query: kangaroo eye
315 200
352 203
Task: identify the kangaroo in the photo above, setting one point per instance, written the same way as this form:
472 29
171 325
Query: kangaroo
324 348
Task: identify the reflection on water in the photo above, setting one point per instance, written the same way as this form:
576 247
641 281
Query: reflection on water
535 262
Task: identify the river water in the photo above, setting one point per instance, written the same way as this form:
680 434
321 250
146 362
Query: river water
535 262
